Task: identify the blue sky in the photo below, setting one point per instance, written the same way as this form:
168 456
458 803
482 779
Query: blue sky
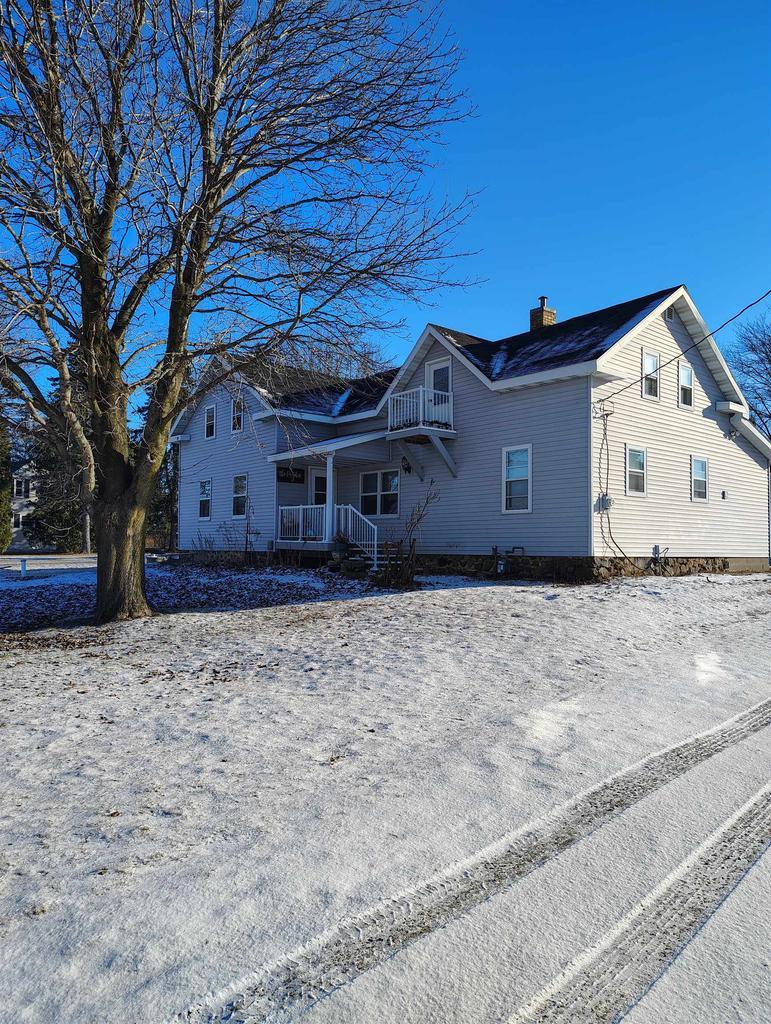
619 148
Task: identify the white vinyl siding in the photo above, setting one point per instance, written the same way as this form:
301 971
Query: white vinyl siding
636 471
204 499
651 375
210 422
239 496
685 385
734 526
516 469
699 478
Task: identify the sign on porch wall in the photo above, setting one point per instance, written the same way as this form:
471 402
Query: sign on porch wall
288 475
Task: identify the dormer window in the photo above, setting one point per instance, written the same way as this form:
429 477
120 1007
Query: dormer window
651 367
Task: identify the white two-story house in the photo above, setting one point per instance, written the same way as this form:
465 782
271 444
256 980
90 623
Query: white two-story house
615 435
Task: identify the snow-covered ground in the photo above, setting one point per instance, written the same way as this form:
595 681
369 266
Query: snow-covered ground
470 803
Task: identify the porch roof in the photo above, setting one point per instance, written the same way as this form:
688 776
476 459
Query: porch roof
328 446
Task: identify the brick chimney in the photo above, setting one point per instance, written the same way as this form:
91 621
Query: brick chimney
542 316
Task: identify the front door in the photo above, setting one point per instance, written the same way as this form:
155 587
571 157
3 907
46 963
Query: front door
318 487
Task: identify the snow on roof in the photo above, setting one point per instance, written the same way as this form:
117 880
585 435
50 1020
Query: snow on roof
341 398
577 340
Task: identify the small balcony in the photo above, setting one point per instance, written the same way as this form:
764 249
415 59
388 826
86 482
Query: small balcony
421 410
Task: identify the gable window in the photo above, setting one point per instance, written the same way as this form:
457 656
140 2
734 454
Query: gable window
699 479
379 493
239 496
636 471
516 479
236 416
685 385
21 488
210 421
17 520
651 375
204 499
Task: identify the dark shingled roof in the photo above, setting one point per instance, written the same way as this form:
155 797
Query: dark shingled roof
341 398
578 340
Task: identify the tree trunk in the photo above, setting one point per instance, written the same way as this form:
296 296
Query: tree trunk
85 532
120 567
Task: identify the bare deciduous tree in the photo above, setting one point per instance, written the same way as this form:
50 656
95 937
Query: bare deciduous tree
752 359
180 181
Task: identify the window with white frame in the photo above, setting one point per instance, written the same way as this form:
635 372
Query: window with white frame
685 385
210 421
204 499
699 479
651 375
239 496
379 493
636 471
18 487
236 416
517 479
17 520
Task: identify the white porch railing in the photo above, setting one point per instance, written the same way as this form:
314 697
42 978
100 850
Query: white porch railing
420 407
359 530
301 522
306 523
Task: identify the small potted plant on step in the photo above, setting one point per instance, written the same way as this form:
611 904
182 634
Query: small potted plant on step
339 546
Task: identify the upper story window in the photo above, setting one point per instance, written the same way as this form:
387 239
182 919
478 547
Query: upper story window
651 368
516 479
685 385
210 421
239 496
379 493
204 499
21 487
636 471
236 416
18 519
699 479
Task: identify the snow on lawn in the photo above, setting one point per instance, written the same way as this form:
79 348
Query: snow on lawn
185 801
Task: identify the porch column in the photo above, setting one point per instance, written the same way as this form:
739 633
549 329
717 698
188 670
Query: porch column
329 517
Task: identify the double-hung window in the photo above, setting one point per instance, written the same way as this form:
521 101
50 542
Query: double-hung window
210 421
17 520
636 471
517 490
699 479
236 416
651 375
685 386
239 496
204 499
379 493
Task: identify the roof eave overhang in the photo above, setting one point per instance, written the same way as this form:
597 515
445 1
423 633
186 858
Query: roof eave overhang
751 433
327 447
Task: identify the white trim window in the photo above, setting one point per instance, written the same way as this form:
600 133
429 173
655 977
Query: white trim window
684 385
239 496
651 375
204 499
236 416
516 472
379 493
18 519
699 478
636 471
210 422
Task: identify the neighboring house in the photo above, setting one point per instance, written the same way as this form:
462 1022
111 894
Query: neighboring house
23 494
616 433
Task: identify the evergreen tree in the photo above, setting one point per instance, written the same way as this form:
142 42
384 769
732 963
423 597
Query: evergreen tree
56 519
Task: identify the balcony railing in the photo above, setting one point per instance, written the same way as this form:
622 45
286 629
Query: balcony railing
420 407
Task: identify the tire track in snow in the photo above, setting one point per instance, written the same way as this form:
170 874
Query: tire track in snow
603 984
340 955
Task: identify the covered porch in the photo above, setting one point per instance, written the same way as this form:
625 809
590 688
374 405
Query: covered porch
308 516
